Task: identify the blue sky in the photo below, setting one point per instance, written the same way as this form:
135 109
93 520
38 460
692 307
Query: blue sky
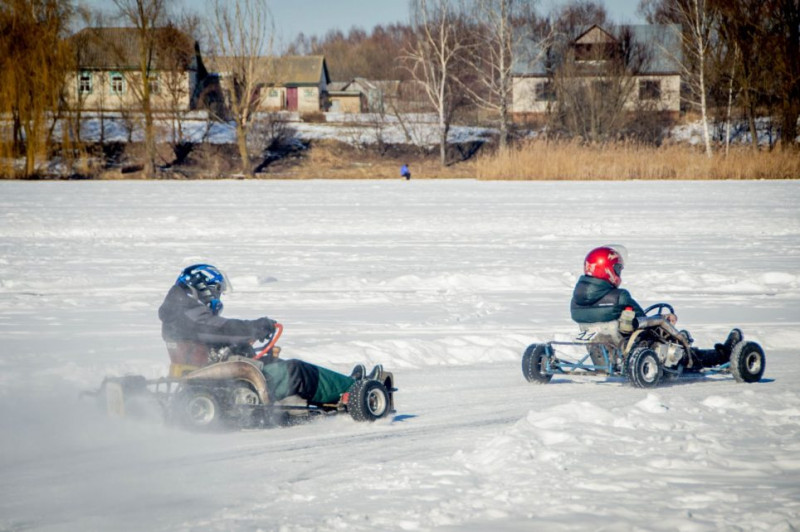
319 16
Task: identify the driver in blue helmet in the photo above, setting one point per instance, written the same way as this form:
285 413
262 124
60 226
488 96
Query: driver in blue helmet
191 323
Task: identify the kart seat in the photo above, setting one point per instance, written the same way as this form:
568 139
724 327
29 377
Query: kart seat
604 332
186 356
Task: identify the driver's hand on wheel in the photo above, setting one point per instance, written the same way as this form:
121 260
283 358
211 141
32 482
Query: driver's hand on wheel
264 328
672 318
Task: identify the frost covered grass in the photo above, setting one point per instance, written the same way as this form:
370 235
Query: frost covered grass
558 160
443 282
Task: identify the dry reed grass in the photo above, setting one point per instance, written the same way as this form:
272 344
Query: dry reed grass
553 160
336 160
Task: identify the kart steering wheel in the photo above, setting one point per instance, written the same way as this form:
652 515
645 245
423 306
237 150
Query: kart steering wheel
659 307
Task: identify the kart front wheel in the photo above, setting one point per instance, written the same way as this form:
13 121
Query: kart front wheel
369 400
534 364
748 362
644 368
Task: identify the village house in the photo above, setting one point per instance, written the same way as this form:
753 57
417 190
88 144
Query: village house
656 79
108 74
300 83
292 83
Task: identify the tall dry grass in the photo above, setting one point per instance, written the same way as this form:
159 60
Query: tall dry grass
554 160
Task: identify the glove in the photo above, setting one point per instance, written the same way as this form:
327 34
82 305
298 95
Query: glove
264 328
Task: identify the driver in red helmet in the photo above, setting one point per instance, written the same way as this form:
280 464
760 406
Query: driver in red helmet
597 297
598 300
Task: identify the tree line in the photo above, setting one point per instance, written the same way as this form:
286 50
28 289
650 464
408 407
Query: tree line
740 60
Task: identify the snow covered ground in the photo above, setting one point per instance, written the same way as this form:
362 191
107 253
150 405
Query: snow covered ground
445 283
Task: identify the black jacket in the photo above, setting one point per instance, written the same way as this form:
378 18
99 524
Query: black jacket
185 318
596 300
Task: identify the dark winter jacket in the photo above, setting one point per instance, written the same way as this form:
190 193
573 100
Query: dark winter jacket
596 300
185 318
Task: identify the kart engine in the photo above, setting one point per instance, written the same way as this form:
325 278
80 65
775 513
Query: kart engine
669 354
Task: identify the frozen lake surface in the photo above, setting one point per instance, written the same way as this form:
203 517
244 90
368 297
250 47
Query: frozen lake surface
443 282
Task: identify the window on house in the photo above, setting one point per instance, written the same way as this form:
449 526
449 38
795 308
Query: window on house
649 89
545 92
602 89
596 51
85 83
155 85
117 83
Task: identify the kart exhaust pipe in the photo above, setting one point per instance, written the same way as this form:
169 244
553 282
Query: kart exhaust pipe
648 322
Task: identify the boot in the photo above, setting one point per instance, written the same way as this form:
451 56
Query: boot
358 372
376 373
710 357
734 337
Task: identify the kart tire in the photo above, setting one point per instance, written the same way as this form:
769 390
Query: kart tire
748 362
534 362
369 400
244 401
199 410
644 368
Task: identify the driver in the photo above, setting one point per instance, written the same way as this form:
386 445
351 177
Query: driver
597 296
598 302
196 333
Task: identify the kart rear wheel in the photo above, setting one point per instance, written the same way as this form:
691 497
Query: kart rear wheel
644 368
534 364
369 400
748 362
199 410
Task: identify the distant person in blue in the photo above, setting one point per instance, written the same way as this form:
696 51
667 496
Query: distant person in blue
405 172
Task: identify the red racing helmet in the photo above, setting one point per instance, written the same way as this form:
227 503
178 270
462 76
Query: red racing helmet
605 262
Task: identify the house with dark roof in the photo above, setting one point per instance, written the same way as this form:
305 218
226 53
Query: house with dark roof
108 70
656 76
292 83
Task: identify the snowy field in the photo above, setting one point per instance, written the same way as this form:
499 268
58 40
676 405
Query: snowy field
445 283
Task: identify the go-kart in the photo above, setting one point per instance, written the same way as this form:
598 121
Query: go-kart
643 350
232 392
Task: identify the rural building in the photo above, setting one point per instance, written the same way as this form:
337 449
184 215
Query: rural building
656 76
345 100
293 83
108 74
361 95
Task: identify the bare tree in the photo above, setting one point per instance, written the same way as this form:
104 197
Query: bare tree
433 58
241 38
594 84
491 62
176 53
784 27
698 19
145 16
699 22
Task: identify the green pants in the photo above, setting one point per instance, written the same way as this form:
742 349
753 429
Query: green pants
313 383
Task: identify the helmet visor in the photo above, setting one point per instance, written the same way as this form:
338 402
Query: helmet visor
622 251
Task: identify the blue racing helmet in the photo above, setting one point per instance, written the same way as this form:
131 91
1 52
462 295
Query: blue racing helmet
207 283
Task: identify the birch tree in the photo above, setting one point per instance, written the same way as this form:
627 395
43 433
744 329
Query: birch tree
491 61
241 32
433 59
699 21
